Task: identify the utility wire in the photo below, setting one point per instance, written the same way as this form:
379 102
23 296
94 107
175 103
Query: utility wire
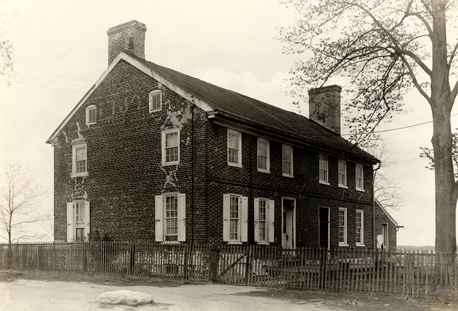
47 80
53 74
45 87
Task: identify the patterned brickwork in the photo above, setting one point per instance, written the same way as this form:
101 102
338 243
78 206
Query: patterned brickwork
125 171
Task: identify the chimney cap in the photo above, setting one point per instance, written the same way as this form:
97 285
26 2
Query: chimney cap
130 24
327 88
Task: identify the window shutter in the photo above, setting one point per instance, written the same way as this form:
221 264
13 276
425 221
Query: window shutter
182 217
226 204
158 219
256 220
70 224
271 220
244 220
87 219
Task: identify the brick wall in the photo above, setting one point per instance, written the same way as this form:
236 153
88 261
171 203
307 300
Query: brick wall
125 172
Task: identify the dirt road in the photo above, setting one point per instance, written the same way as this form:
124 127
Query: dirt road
21 295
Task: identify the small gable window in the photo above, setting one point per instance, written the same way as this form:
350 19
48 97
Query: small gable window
155 100
91 114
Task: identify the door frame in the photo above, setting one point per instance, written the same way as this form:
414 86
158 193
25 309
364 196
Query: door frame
293 245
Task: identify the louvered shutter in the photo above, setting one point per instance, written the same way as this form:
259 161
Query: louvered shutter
158 219
182 217
70 223
244 220
256 220
87 219
226 214
271 221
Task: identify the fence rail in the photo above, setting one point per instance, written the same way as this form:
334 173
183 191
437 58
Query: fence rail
415 274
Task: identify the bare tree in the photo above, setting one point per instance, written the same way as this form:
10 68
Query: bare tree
385 48
385 187
17 205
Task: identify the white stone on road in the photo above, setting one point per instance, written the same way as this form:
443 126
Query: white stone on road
125 297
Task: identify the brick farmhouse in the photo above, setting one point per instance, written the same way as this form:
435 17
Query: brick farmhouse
152 154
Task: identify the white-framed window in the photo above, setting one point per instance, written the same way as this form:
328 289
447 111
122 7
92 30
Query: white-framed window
359 177
234 148
171 146
264 216
323 170
342 226
170 217
263 155
235 218
78 221
91 114
359 227
155 100
342 168
79 159
287 160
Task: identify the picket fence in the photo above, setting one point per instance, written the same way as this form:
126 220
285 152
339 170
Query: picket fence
401 273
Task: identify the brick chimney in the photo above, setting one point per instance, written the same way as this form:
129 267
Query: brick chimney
129 37
324 106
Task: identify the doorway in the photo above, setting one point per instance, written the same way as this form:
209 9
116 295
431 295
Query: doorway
288 223
324 227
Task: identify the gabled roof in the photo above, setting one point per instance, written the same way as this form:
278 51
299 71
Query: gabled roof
387 214
214 99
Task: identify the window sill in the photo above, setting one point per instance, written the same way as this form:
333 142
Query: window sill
171 242
79 175
286 175
342 186
235 242
362 190
263 171
234 164
324 183
171 163
360 245
343 245
263 243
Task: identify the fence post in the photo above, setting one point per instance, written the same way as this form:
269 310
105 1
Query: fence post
248 266
185 268
132 260
214 259
84 257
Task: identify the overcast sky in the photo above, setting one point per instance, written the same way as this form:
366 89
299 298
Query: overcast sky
60 50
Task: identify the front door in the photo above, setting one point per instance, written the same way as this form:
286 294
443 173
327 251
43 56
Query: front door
324 227
288 223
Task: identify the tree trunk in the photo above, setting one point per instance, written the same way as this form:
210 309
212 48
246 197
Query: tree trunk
441 106
445 183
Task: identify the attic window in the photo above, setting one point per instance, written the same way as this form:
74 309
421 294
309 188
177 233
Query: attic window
155 101
91 114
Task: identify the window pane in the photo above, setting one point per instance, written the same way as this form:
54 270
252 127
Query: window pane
342 226
262 162
234 218
156 101
171 218
286 168
262 220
